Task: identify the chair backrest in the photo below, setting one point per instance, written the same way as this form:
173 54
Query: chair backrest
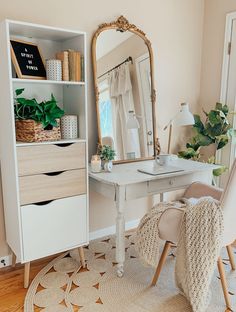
199 189
228 203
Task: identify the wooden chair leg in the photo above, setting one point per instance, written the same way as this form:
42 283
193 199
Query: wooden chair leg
161 263
13 264
231 256
223 282
81 255
26 274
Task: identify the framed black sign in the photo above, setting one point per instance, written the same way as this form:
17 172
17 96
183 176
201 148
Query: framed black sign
27 60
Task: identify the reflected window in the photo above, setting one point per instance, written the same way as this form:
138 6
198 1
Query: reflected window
105 110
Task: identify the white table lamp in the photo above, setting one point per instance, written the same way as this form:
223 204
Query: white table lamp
183 118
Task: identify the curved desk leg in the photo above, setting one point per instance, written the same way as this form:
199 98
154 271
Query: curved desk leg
120 230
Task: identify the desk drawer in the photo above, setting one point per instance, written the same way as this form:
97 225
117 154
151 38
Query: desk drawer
44 187
169 184
50 158
54 227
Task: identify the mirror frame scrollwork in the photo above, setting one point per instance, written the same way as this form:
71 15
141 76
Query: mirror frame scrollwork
122 25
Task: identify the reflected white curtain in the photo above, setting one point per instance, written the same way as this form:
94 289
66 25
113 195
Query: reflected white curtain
120 88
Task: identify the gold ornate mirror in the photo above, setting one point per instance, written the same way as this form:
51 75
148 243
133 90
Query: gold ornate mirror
124 86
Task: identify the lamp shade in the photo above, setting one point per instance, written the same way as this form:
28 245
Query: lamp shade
184 117
132 121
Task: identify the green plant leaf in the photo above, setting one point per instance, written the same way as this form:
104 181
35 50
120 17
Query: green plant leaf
219 106
225 110
203 140
198 124
19 91
214 117
222 140
218 172
214 131
189 154
53 98
27 102
54 123
211 160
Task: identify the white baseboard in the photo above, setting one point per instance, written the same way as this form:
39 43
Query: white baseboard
112 229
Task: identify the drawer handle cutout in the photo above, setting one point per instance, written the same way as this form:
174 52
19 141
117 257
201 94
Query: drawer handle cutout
46 202
53 173
63 144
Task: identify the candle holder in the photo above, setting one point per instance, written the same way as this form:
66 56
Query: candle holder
96 164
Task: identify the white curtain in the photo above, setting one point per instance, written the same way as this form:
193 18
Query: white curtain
120 88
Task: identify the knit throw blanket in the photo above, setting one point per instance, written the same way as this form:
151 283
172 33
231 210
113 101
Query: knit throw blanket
198 247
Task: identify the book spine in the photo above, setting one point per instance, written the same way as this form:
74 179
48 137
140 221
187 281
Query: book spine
71 65
65 68
82 68
63 57
78 67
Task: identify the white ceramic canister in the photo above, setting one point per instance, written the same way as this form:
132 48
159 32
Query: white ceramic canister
69 127
54 70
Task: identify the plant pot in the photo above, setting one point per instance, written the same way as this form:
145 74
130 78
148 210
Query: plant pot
207 152
30 131
108 165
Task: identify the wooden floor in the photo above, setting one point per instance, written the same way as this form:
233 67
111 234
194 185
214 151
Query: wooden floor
12 293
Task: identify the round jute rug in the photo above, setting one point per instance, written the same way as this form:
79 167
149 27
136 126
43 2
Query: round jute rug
63 286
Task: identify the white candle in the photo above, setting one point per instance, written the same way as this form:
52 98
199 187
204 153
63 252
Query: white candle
96 163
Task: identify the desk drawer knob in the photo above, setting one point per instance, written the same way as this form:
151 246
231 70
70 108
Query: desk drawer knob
171 182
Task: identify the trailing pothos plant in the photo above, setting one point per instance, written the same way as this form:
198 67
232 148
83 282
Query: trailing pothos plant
45 112
216 129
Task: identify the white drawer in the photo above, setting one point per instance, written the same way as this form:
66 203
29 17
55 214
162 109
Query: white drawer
50 158
54 227
42 187
170 184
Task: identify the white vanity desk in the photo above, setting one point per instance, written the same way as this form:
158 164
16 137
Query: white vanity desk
125 183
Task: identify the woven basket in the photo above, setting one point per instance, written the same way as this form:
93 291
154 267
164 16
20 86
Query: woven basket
31 131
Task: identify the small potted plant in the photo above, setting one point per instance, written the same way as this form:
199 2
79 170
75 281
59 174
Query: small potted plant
107 154
37 122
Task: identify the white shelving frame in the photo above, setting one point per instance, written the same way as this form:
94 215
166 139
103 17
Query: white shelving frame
72 97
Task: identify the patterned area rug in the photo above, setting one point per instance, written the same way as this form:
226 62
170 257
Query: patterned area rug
63 286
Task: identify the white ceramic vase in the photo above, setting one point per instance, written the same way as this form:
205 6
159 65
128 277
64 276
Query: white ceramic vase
69 127
54 70
108 165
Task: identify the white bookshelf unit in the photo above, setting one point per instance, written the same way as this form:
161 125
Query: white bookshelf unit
45 185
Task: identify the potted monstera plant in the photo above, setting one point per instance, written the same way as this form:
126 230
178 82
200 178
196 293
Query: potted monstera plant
210 135
37 121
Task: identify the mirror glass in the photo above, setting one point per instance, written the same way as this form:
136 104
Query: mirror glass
124 104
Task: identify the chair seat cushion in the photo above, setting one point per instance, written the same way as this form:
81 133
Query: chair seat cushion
169 224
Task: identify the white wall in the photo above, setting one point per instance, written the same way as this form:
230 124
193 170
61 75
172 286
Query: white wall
212 49
175 30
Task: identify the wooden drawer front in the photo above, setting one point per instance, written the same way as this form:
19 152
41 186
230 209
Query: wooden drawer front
169 184
43 187
50 158
54 227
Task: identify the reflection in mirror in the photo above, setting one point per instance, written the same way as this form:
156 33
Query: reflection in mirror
124 102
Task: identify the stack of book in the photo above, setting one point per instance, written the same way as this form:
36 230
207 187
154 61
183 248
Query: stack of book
72 65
